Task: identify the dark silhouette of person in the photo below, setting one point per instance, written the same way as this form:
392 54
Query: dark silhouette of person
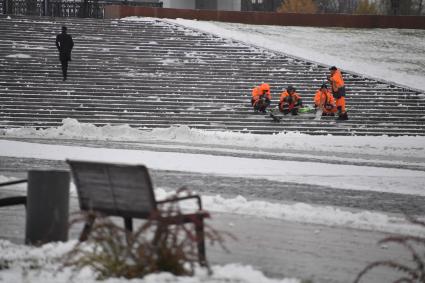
64 43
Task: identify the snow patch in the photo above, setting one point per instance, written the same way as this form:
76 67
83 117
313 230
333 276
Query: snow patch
19 56
170 61
87 37
287 142
372 52
336 176
44 264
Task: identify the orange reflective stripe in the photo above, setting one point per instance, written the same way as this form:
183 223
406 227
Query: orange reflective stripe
295 96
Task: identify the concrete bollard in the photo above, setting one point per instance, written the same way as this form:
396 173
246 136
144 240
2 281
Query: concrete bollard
47 206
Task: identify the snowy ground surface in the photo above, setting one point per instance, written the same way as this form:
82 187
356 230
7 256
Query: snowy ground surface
395 55
381 164
43 265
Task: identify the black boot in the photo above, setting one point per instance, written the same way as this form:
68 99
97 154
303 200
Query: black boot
343 116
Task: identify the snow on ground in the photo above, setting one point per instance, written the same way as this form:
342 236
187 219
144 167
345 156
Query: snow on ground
395 55
44 265
337 176
286 143
305 213
371 52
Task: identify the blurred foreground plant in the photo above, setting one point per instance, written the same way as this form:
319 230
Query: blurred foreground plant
416 248
156 246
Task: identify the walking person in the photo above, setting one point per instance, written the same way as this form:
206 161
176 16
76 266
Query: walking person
64 43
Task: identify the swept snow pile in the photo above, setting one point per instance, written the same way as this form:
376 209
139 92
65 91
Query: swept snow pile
305 213
40 265
287 143
71 128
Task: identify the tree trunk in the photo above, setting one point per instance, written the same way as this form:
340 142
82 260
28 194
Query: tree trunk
420 7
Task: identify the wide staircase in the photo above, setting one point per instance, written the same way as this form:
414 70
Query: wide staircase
151 74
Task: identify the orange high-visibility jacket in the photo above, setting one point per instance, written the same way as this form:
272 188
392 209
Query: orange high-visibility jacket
336 80
322 98
295 97
258 91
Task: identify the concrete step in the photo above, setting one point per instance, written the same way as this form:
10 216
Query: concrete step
143 73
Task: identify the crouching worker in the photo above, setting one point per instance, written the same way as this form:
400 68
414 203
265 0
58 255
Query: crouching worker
290 101
338 91
261 97
325 101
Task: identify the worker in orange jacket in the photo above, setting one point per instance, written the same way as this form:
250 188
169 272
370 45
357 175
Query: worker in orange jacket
290 101
338 91
261 97
325 101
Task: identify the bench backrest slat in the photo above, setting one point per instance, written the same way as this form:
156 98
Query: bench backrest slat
114 189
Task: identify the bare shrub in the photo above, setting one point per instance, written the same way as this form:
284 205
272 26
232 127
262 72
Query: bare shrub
409 274
156 246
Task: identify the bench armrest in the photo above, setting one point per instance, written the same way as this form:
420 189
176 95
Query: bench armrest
198 198
13 182
8 201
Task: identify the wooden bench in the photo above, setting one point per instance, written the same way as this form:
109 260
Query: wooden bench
126 191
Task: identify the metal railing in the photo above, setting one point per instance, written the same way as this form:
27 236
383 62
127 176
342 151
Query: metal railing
64 8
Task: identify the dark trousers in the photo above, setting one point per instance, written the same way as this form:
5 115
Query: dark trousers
64 64
64 58
340 93
261 104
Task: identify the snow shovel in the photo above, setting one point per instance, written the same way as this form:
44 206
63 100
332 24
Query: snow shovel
319 113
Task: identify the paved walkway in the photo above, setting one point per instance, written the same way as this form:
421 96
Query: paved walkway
278 248
252 188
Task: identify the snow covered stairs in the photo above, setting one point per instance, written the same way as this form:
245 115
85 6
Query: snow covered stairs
155 74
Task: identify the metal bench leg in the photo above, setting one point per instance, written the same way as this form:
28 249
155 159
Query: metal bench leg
128 223
87 228
199 228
